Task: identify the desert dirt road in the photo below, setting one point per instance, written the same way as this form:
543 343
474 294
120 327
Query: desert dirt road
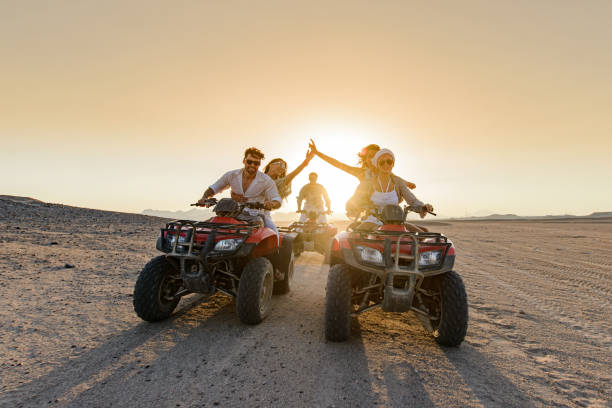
539 331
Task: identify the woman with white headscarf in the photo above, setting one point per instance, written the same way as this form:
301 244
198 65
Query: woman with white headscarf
382 189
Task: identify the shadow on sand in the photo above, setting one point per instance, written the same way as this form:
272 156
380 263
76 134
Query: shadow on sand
204 356
98 366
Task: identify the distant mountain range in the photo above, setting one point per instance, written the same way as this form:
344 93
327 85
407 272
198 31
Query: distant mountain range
595 215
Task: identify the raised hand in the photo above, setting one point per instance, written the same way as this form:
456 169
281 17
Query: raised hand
310 154
313 147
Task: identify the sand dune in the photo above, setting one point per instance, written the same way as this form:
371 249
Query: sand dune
539 333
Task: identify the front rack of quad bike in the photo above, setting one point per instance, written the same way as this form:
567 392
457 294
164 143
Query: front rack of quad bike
404 266
394 259
190 229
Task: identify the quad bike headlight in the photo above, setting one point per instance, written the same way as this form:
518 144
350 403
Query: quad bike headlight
228 244
370 255
172 238
430 258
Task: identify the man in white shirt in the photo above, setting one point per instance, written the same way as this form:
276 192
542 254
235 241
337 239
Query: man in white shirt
249 185
313 194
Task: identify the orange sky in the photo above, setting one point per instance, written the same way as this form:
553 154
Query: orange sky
497 106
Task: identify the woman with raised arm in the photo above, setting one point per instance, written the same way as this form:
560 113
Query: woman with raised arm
277 170
365 169
381 189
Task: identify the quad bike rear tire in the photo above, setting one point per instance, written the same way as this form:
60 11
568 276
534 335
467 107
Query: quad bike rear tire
255 291
283 286
338 303
453 311
153 287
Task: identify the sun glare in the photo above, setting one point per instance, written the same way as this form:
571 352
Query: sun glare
341 141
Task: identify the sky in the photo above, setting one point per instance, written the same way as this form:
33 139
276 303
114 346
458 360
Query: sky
490 107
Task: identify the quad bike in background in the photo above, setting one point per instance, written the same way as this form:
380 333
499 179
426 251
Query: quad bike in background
232 253
311 234
398 271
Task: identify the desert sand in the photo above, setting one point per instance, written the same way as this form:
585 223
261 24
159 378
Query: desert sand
539 334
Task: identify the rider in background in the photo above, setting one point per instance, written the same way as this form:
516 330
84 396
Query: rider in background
250 185
382 189
365 170
313 194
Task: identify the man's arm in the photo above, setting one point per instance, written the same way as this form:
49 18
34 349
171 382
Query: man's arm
216 187
300 198
326 198
208 193
273 199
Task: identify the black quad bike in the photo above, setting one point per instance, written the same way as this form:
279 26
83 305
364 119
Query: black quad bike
399 271
232 253
311 234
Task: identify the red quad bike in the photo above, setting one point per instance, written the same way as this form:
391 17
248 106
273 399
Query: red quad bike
231 253
399 271
311 235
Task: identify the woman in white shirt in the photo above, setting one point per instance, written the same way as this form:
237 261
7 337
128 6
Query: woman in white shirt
381 189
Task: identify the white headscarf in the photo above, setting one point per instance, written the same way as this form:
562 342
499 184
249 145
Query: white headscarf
379 154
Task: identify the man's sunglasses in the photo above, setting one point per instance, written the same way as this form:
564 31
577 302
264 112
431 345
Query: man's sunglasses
253 162
386 161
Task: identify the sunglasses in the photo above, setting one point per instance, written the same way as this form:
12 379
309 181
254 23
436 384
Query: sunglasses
253 162
279 163
386 161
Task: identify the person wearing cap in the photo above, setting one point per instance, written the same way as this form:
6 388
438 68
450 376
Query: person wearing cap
381 189
365 169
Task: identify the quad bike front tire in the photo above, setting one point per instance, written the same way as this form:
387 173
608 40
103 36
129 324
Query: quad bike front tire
338 303
255 291
283 286
453 323
154 290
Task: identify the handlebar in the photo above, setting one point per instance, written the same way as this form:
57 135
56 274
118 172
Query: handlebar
410 208
210 202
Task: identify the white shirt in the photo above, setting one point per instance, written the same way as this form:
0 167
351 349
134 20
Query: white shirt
261 189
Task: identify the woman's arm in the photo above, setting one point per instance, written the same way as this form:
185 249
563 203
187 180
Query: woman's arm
299 168
410 185
405 193
353 171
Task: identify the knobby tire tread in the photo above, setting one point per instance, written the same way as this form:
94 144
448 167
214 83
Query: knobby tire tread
146 291
338 304
251 280
454 319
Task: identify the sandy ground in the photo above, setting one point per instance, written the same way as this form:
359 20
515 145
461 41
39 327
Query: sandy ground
539 332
